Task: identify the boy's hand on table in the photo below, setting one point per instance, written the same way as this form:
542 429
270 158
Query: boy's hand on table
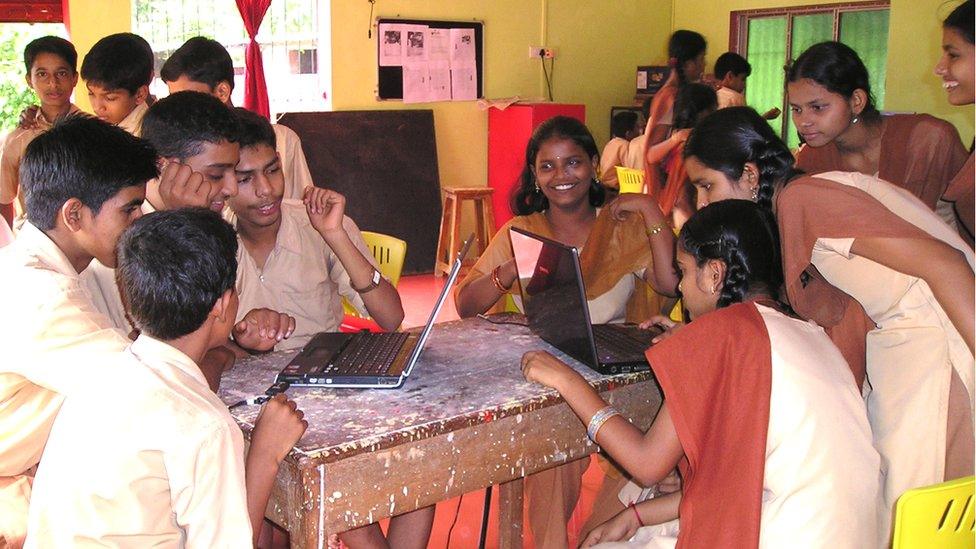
325 209
543 368
279 426
261 329
622 527
180 187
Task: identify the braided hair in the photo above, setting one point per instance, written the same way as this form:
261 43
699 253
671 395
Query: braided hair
743 235
728 138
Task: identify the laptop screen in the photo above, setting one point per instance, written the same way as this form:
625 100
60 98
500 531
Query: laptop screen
552 294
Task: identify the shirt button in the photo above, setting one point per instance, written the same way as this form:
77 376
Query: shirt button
262 278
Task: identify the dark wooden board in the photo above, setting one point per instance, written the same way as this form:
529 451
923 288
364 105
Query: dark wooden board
385 163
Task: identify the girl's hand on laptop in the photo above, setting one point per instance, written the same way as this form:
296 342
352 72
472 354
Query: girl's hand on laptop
325 209
669 326
261 329
543 368
278 427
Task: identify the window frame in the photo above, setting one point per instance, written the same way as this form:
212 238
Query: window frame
739 30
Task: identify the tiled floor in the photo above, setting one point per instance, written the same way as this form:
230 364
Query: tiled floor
418 294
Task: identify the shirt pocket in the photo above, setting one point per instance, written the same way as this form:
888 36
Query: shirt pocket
315 310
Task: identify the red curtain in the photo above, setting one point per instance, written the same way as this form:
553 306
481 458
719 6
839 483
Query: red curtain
255 87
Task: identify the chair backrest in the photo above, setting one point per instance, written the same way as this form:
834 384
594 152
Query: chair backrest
938 516
631 180
389 252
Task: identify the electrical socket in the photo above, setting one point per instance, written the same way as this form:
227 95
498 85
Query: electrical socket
540 52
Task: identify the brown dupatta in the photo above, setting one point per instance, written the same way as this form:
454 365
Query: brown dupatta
961 193
919 152
662 103
613 249
809 208
716 374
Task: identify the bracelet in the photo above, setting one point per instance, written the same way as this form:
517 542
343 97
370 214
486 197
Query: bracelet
598 420
656 228
497 281
634 507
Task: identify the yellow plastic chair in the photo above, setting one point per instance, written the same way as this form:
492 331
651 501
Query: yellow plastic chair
631 180
935 517
389 253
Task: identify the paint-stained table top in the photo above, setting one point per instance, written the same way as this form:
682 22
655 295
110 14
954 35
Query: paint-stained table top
468 374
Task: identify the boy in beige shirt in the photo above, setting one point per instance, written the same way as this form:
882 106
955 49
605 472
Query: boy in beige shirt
163 460
117 72
203 65
51 64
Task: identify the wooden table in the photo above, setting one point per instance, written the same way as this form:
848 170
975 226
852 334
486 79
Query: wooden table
464 420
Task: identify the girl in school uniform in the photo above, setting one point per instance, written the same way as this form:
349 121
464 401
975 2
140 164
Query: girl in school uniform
955 67
760 412
686 57
851 241
624 246
834 112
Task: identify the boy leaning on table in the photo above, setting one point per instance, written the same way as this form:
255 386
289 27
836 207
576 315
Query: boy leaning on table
160 459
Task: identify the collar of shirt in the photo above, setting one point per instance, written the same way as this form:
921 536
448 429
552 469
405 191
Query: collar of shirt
155 353
132 123
36 243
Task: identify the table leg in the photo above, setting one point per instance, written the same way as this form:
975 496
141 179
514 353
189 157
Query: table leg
510 515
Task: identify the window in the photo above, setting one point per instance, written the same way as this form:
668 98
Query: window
297 71
758 35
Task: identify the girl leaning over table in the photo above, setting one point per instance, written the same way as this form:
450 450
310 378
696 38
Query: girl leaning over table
855 245
624 246
761 413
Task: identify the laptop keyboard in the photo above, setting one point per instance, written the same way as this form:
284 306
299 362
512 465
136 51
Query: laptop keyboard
368 354
610 341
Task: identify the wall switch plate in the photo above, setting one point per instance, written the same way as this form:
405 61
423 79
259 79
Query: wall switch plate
540 52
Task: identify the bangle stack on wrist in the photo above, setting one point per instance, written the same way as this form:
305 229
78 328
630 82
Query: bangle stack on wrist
598 420
497 281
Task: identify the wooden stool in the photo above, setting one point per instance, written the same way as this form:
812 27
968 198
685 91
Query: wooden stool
450 241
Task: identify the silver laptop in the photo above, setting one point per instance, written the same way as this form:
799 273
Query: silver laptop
365 360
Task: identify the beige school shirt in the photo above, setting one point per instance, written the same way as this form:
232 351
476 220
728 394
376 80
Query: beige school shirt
728 97
293 163
302 276
14 147
157 462
132 123
53 340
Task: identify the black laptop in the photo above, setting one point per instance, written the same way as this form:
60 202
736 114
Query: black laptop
554 301
365 360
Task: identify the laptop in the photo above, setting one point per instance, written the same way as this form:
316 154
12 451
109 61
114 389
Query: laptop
365 360
554 300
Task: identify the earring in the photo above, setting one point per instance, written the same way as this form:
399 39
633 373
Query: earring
855 120
537 189
755 193
596 179
713 289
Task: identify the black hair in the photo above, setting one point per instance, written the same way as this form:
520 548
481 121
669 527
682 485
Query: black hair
743 235
85 158
838 68
254 129
623 122
54 45
961 20
526 199
173 267
684 46
731 62
691 103
728 138
119 61
179 124
201 60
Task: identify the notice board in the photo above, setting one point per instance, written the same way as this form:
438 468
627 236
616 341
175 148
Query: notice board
421 60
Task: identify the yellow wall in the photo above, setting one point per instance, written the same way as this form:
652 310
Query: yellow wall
914 43
91 20
593 65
